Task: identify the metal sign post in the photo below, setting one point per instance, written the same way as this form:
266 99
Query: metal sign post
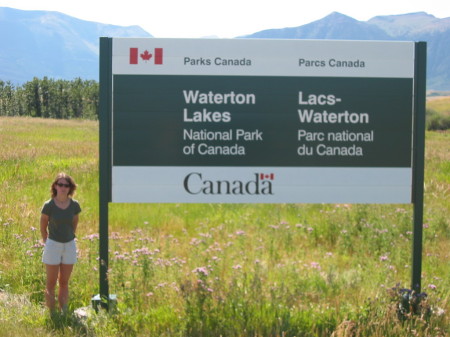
419 160
104 299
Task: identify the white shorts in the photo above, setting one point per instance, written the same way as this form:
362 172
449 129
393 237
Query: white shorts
56 253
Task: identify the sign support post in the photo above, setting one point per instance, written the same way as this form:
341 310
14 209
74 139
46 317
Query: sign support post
104 299
418 161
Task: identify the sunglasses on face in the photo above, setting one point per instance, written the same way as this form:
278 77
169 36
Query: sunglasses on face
61 185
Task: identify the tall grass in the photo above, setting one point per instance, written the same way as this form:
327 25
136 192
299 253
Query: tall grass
438 113
440 104
217 269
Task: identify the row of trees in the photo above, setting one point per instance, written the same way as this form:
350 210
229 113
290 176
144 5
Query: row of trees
50 98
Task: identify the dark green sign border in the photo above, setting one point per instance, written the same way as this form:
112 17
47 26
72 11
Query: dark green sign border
105 169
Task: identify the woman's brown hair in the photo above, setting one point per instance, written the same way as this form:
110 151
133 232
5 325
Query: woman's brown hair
68 179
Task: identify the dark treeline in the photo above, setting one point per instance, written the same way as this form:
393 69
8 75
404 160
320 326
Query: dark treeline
49 98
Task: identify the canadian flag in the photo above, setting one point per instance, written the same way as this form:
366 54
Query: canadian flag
263 176
146 56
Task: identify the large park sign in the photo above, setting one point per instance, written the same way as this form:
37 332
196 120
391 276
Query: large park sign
261 121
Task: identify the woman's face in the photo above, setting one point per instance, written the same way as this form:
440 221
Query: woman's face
62 187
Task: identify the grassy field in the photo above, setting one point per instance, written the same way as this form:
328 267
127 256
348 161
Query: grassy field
440 104
438 113
217 269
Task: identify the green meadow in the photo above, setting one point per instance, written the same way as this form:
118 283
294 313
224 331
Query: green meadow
251 270
440 104
438 113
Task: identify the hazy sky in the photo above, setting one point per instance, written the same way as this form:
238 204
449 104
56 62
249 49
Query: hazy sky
228 18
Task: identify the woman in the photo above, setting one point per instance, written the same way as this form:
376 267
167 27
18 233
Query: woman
59 221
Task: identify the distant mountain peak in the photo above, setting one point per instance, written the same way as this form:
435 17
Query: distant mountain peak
418 26
337 15
409 24
63 46
407 16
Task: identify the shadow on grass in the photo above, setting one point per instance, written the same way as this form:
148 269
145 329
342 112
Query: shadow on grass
67 321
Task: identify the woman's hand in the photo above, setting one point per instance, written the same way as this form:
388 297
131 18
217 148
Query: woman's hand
44 226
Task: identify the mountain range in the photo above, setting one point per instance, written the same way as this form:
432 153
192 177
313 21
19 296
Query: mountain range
53 44
406 27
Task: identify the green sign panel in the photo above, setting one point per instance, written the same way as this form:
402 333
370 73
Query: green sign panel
261 121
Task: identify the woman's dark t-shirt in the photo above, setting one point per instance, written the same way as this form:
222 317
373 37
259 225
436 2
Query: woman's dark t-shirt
60 226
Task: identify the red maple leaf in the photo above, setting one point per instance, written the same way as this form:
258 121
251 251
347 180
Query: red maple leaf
146 55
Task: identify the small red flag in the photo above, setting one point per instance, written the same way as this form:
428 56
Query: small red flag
146 56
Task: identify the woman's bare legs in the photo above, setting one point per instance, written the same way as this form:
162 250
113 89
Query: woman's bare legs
64 275
52 277
60 273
